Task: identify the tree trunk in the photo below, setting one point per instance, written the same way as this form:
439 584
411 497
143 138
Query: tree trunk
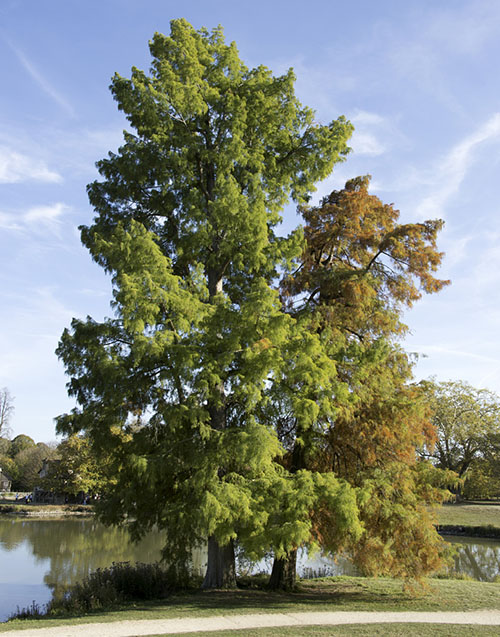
284 573
221 565
221 572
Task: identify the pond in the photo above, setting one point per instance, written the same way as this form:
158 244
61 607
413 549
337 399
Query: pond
42 557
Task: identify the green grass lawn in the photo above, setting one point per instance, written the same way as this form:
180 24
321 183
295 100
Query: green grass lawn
337 593
465 514
360 630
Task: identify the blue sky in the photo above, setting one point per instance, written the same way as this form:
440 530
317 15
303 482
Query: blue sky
419 80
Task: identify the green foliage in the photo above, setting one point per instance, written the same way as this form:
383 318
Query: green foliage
483 480
22 459
28 463
4 446
467 421
170 390
76 468
20 443
228 409
9 466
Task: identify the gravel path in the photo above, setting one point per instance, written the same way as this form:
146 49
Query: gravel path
233 622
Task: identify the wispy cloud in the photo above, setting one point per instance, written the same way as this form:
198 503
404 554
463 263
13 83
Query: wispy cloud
42 81
35 219
449 363
374 135
47 154
368 128
45 214
16 167
364 143
450 170
451 351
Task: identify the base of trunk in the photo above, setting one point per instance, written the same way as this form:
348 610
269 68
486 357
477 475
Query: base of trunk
221 570
284 573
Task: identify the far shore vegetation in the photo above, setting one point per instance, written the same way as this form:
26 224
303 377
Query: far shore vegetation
463 514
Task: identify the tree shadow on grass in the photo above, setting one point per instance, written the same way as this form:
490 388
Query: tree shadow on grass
318 594
253 597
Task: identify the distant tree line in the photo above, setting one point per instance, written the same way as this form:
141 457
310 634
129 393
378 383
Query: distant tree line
467 422
72 468
21 459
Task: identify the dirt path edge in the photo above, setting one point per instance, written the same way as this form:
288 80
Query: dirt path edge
139 628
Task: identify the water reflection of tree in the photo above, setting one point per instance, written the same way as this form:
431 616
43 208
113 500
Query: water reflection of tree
75 547
478 560
11 534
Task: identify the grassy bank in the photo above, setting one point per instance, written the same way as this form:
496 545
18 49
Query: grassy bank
470 515
337 593
463 514
21 509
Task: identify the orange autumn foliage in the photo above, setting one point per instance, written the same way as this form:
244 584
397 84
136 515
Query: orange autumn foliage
360 268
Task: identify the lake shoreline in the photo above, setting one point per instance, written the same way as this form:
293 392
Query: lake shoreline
41 511
54 511
486 532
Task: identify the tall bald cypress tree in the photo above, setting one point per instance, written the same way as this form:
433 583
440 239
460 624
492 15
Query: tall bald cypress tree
186 212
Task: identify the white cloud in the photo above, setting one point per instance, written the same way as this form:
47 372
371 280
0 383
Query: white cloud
48 155
482 274
365 118
364 143
448 363
374 134
439 46
40 316
8 222
37 218
45 214
16 167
